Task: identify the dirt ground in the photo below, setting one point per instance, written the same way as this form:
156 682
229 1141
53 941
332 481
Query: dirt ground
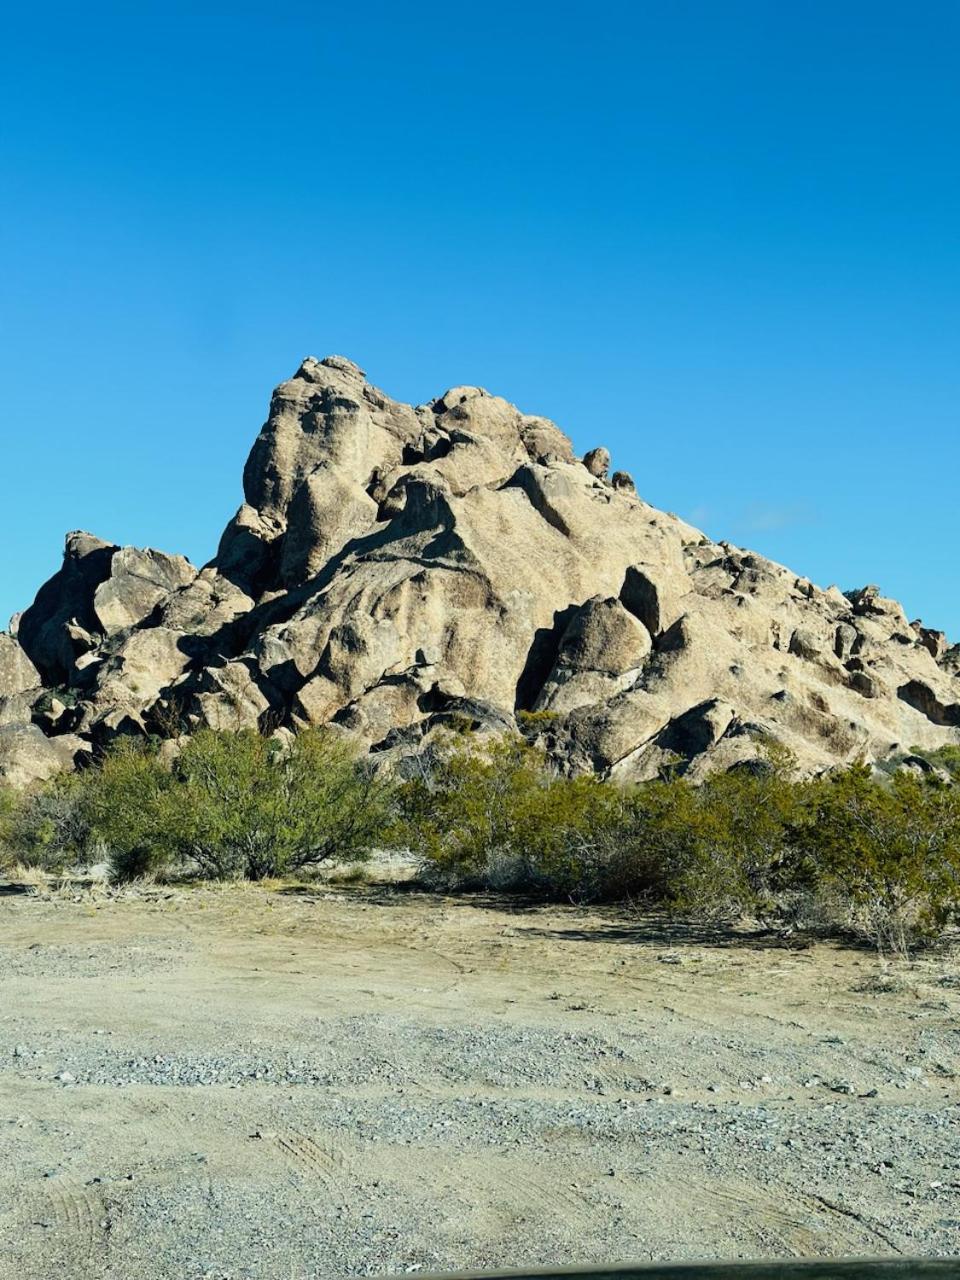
247 1082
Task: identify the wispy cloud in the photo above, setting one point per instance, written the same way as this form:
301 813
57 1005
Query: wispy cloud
698 516
763 517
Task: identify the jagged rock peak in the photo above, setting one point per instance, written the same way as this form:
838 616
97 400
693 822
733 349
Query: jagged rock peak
395 568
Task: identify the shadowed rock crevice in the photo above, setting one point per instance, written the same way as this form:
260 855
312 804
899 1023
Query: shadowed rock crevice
62 624
537 486
922 699
696 730
541 658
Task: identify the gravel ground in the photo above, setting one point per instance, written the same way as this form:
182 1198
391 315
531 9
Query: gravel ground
252 1083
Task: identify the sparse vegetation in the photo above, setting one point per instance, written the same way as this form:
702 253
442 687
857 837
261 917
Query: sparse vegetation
47 829
494 814
231 805
947 758
8 810
254 806
857 851
866 855
890 852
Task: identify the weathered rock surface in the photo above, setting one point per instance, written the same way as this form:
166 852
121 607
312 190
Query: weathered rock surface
27 756
138 582
394 569
17 672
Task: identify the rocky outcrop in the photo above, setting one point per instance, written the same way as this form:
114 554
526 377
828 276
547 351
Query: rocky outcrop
61 625
99 590
392 570
138 581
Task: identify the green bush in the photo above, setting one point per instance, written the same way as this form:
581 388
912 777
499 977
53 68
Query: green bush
947 758
8 807
889 851
130 801
238 804
492 814
725 847
46 827
495 815
876 853
879 855
255 807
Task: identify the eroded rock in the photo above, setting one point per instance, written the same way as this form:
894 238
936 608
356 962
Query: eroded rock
17 672
395 570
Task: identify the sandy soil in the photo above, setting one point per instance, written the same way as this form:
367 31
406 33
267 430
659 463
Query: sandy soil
245 1083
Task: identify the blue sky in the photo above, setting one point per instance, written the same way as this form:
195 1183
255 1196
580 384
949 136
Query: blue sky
720 238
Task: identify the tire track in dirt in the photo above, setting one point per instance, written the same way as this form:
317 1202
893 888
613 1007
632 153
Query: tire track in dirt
517 1190
322 1164
159 1123
789 1222
77 1212
420 950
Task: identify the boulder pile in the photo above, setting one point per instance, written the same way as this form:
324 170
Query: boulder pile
393 570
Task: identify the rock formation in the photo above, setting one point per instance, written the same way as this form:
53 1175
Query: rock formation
395 569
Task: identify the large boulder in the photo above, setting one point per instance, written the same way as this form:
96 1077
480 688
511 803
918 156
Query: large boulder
62 623
602 652
138 581
27 756
597 462
17 672
100 589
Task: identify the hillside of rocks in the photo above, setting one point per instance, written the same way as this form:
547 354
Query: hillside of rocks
394 570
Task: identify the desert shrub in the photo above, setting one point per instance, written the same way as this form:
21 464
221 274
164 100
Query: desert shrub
533 723
889 852
256 807
947 758
492 814
232 804
236 804
8 806
46 827
129 801
876 854
724 847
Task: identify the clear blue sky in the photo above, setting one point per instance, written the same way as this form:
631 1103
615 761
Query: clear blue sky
722 238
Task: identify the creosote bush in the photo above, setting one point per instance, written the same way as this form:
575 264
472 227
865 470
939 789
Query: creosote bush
233 804
47 828
490 812
947 758
870 853
874 856
8 808
724 848
890 852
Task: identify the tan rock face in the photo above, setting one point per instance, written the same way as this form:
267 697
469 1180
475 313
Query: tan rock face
393 569
26 756
597 462
17 672
138 582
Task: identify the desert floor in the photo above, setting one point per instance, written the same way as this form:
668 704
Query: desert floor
253 1082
